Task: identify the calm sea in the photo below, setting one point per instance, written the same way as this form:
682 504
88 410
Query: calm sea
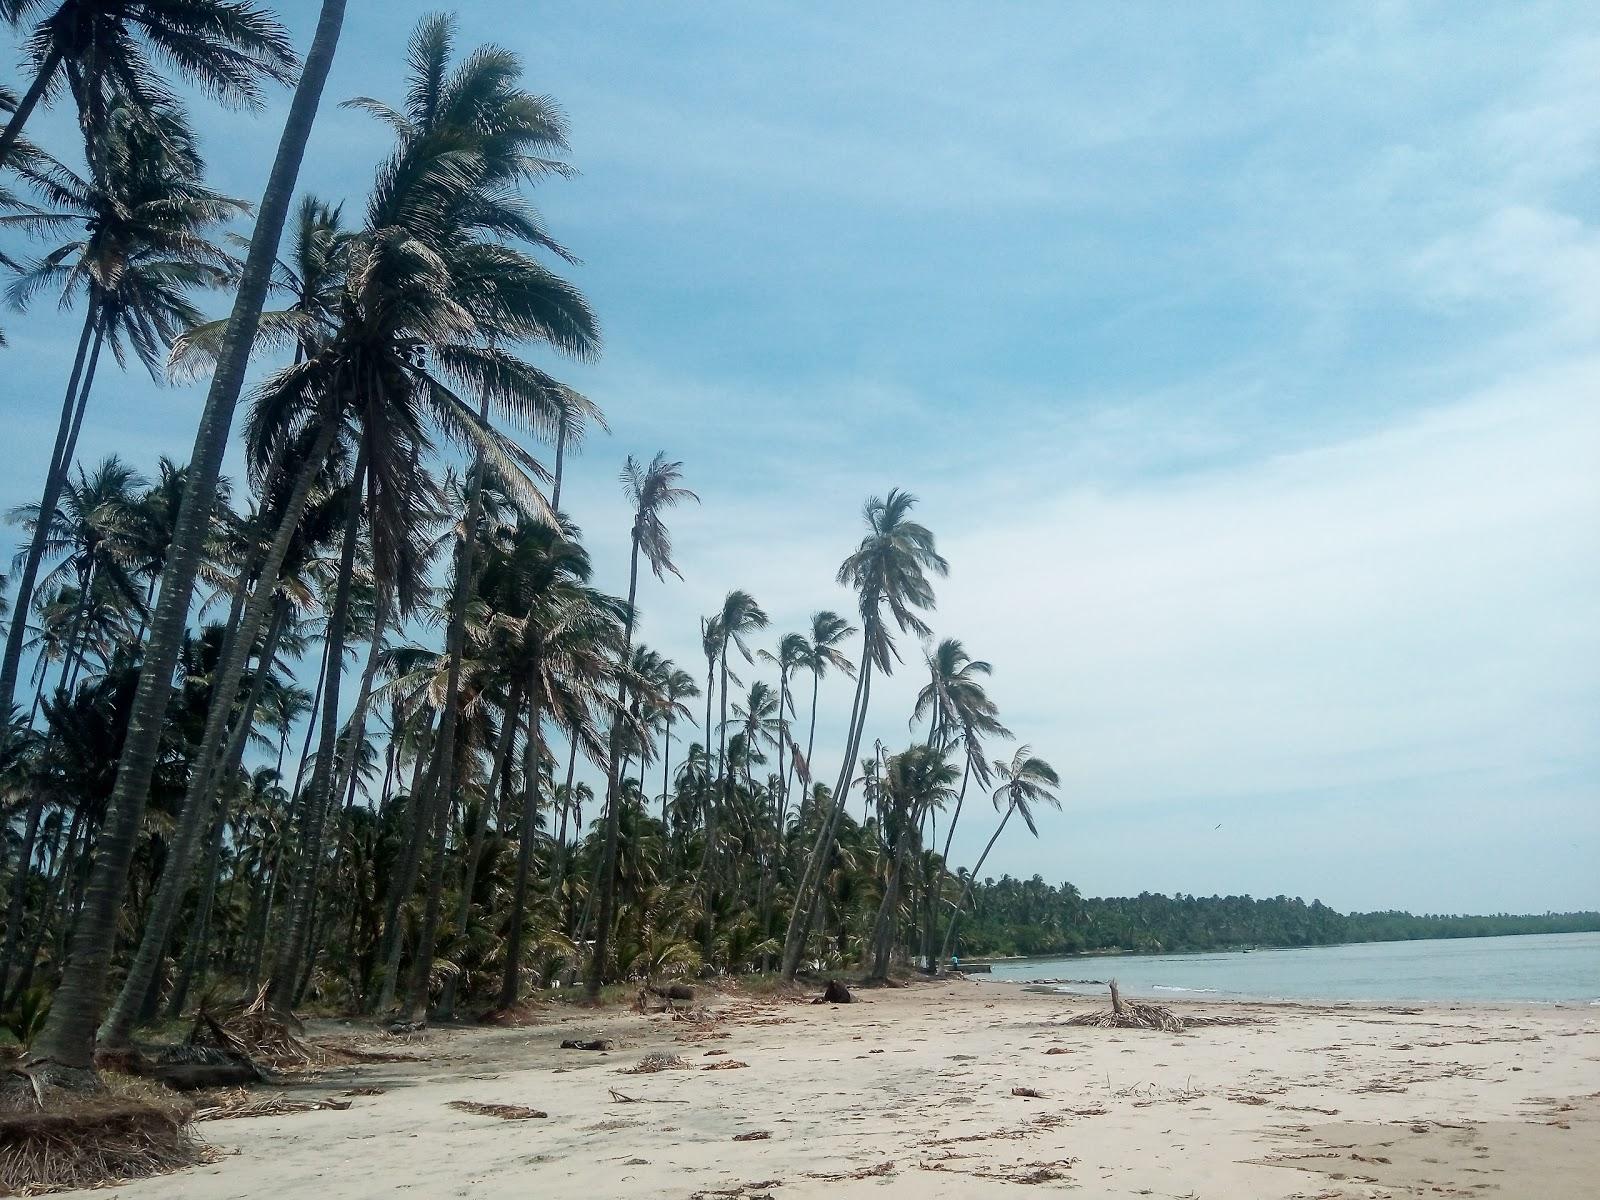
1544 968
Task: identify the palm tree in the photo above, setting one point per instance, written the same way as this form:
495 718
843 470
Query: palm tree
651 491
140 223
914 782
105 47
791 656
828 632
889 569
66 1044
677 686
1026 781
311 277
740 616
90 528
959 710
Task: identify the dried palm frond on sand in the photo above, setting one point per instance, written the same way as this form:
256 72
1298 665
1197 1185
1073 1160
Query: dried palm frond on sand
1130 1014
650 1064
506 1112
228 1106
55 1139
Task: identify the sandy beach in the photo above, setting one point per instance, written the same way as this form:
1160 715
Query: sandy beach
910 1092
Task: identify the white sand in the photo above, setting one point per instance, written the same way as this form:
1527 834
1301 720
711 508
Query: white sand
909 1094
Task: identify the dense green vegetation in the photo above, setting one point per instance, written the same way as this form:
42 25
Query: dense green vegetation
1031 917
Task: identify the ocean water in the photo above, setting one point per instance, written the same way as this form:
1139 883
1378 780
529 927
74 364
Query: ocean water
1539 968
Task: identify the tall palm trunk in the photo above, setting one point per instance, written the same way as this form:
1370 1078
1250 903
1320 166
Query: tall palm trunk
561 461
666 778
532 749
314 804
418 817
608 854
966 892
456 638
883 928
809 889
54 481
480 833
67 1040
345 784
237 741
30 100
214 762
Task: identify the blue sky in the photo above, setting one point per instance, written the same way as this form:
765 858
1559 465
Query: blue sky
1244 363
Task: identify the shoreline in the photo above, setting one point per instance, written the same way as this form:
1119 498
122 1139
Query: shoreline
943 1089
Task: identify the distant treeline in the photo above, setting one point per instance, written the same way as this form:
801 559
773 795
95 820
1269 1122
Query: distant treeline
1014 916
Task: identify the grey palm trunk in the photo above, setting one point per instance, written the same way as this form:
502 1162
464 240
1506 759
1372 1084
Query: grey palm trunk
809 890
315 800
446 750
966 892
54 483
66 1042
608 854
195 816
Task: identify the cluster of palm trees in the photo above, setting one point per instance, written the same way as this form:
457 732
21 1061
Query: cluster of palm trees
320 730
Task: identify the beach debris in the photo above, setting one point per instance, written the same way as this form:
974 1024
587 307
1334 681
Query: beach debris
601 1044
258 1031
1059 1050
727 1064
54 1138
241 1103
742 1191
1131 1014
652 1064
622 1098
872 1172
668 994
757 1135
1028 1093
505 1112
835 993
366 1091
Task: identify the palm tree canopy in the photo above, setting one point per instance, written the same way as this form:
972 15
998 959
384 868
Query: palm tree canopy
891 567
223 47
651 490
1027 781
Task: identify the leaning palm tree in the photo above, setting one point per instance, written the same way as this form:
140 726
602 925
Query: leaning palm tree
66 1044
959 710
889 570
105 47
740 617
1026 781
138 228
651 491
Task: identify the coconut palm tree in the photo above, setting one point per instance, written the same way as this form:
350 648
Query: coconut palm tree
914 782
140 223
651 491
828 632
311 277
676 687
66 1044
888 570
106 47
1026 782
791 656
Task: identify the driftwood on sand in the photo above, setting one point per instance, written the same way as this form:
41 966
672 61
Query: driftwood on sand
1131 1014
505 1112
